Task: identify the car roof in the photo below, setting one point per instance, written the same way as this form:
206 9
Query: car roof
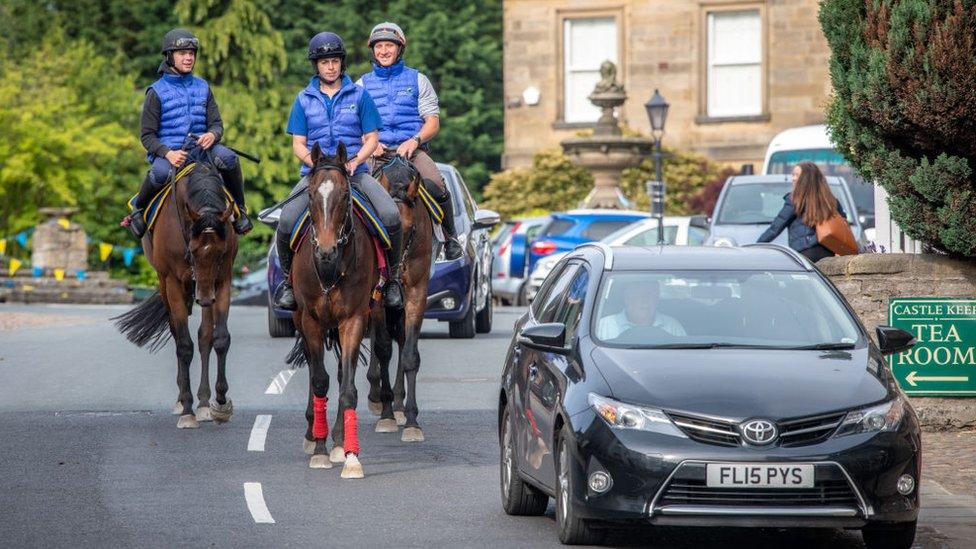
608 214
755 257
802 138
776 178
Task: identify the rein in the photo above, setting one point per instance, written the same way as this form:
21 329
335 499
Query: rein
345 233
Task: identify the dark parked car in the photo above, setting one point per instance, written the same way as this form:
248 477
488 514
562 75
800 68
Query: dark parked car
705 387
459 291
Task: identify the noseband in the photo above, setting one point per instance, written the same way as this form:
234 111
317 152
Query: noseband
329 270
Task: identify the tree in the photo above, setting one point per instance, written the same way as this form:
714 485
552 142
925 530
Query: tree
686 174
904 109
552 183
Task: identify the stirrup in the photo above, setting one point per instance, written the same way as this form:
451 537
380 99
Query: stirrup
452 249
242 225
285 297
135 223
393 295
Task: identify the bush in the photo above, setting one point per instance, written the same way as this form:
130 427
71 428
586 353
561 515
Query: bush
552 183
904 109
686 175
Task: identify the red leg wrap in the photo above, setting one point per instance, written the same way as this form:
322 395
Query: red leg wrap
350 437
320 423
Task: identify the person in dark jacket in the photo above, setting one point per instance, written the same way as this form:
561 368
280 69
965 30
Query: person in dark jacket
809 204
176 105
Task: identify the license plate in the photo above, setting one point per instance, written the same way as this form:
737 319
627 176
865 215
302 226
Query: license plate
759 475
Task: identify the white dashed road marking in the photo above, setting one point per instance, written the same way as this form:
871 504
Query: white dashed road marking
255 503
258 433
279 382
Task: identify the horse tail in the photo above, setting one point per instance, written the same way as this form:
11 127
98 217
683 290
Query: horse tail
296 357
146 323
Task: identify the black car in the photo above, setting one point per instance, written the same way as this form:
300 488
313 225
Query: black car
704 387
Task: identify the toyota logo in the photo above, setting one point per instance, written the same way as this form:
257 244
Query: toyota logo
759 431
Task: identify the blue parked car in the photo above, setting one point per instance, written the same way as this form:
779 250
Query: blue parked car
566 230
459 291
510 268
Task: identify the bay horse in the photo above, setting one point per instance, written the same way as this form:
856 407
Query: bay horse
399 406
335 272
192 248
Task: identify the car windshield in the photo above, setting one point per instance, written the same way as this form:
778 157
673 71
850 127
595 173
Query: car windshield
758 203
830 163
706 309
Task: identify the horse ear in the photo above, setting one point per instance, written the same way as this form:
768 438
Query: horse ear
316 153
341 153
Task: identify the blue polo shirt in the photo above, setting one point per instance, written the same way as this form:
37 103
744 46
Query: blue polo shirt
369 116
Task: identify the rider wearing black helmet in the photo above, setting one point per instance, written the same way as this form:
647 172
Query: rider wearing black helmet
411 118
330 110
176 105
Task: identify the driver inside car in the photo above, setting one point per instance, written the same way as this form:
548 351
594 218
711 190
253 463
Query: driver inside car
640 299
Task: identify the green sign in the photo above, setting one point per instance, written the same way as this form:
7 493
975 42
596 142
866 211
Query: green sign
943 362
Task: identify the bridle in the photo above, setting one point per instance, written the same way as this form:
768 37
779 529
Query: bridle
333 273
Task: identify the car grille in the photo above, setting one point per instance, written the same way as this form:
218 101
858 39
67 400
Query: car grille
688 487
795 432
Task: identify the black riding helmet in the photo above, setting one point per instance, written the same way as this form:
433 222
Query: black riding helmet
325 45
179 39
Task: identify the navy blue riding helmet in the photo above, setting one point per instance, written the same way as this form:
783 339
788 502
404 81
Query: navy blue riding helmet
325 45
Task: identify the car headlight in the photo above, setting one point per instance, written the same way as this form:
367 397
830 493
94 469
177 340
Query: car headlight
875 419
723 242
627 416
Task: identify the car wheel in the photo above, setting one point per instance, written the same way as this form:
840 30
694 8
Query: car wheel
521 298
895 536
572 530
464 328
482 320
279 327
518 498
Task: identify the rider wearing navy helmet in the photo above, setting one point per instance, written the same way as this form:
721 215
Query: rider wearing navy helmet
411 118
176 105
330 110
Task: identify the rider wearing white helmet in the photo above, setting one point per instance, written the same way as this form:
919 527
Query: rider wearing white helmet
409 108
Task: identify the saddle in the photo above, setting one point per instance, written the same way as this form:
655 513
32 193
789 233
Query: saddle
151 213
435 211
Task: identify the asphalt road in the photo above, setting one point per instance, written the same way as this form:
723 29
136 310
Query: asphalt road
90 455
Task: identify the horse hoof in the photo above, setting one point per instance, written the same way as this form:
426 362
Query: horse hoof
308 446
187 421
412 434
338 455
352 468
178 408
203 414
386 426
222 412
320 461
376 408
400 417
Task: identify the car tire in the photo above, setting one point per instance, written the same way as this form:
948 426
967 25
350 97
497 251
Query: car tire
482 320
464 328
518 498
279 327
572 530
521 299
895 536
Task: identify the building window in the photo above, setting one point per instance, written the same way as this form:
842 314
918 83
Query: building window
586 44
734 64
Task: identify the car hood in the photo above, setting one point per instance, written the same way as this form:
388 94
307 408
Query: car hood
740 383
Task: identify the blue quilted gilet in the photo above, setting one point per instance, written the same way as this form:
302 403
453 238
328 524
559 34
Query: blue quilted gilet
342 124
183 108
395 91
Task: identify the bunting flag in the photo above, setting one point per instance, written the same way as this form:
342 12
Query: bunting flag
14 265
22 239
81 275
37 272
59 274
105 250
3 246
128 255
65 224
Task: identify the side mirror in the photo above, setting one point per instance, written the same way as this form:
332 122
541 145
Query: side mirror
893 340
549 337
699 221
484 219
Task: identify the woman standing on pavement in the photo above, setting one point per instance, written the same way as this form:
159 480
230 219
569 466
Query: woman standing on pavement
809 204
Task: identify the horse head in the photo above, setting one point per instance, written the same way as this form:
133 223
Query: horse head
329 210
400 178
209 212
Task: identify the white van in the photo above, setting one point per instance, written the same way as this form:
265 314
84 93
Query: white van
812 143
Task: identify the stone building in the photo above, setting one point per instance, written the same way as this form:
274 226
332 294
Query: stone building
735 72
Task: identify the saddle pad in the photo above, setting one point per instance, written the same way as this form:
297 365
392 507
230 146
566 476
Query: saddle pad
156 204
436 213
365 211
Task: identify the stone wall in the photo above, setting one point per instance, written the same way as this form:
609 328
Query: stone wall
661 45
869 281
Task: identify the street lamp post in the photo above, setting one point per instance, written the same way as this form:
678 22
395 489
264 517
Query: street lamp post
657 113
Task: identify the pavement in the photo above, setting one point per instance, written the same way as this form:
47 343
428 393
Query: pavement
91 456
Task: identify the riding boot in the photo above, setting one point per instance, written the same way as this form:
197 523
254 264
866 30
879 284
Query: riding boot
135 221
234 180
284 296
452 247
393 291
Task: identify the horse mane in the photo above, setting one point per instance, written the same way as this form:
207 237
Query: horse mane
205 196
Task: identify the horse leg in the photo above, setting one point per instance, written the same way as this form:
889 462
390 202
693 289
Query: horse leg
205 344
382 346
350 336
318 391
373 371
338 454
410 356
399 393
179 327
223 408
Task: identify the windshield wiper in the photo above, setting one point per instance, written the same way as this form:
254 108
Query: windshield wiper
825 346
707 346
